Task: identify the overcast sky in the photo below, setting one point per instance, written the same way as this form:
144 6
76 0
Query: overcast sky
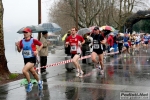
20 13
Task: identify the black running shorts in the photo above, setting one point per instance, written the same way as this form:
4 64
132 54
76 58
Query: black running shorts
98 51
31 60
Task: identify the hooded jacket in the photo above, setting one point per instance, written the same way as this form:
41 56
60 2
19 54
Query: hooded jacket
110 40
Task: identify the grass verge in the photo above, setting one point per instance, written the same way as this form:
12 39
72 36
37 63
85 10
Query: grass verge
13 75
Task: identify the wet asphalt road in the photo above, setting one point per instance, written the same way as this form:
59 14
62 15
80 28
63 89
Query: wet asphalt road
130 74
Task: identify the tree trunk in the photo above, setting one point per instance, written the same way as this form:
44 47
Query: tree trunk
3 62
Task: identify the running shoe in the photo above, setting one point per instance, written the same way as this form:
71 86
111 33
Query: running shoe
81 75
81 72
40 85
29 87
98 66
102 72
77 74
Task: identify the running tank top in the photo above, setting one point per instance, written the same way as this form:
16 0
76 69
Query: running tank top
74 46
146 38
96 43
27 51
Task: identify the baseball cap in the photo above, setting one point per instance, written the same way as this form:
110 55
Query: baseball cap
96 28
27 30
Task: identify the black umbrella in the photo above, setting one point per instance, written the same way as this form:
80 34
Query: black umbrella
34 28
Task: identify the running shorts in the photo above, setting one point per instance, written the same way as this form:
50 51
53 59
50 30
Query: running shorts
31 60
99 51
145 42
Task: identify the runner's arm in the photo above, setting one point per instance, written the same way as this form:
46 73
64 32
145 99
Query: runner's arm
103 40
19 46
36 42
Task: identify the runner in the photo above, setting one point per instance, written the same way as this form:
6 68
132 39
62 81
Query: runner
75 41
137 42
120 43
126 44
28 47
98 40
146 40
132 40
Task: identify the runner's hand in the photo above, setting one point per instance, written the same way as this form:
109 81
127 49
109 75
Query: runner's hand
67 43
17 43
35 53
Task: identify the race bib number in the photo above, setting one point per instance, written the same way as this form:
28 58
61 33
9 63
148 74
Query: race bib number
132 42
73 48
145 39
125 42
120 41
27 53
96 46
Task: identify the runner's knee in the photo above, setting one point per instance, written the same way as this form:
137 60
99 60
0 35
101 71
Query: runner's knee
24 71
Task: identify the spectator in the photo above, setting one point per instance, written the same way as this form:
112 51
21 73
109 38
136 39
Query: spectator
44 51
85 46
110 41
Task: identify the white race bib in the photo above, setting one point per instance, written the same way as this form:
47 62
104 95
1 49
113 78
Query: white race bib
145 39
96 46
120 41
125 42
132 42
73 48
27 53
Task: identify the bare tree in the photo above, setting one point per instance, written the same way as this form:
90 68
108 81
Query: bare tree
3 62
95 12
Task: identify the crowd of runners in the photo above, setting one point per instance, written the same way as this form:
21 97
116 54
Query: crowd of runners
99 41
103 42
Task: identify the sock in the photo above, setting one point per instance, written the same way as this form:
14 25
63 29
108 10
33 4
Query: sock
77 70
39 81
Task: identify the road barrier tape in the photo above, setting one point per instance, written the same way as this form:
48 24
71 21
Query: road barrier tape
65 62
60 63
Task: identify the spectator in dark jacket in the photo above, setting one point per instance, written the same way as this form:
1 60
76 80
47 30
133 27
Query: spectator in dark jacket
67 49
85 47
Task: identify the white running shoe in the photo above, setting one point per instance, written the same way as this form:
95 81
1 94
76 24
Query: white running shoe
98 66
81 72
81 75
77 74
102 72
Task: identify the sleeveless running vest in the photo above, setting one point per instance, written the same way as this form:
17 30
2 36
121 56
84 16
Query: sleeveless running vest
96 43
146 38
27 51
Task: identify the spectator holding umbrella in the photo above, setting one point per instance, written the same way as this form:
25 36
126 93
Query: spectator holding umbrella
44 51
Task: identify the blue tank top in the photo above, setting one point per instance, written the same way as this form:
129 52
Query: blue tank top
27 51
125 39
146 38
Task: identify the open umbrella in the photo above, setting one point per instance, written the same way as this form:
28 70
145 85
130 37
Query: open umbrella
110 28
51 27
84 31
34 28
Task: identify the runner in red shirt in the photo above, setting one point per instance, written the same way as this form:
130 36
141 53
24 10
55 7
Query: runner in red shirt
75 41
